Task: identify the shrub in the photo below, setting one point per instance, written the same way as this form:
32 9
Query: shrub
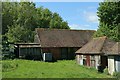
106 71
9 55
116 74
8 66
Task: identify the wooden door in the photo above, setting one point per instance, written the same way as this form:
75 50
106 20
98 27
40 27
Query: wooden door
88 60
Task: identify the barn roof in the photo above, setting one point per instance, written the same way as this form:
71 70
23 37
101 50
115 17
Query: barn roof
99 45
63 37
115 50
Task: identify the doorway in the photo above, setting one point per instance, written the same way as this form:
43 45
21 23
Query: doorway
104 62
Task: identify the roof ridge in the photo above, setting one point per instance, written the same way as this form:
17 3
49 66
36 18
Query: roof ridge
62 29
104 38
100 37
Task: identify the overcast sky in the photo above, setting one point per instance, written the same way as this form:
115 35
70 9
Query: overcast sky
79 15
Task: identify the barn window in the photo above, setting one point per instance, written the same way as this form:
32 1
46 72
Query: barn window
84 60
92 61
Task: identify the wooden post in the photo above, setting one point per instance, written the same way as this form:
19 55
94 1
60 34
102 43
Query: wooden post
18 51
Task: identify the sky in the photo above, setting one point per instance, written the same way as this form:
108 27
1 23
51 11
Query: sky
79 15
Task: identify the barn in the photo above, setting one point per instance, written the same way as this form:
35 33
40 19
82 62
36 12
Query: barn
114 59
92 54
61 43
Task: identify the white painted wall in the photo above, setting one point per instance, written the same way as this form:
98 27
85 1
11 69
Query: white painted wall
81 60
97 59
77 58
111 66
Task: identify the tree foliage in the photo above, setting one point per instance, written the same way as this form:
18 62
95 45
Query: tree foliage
57 22
43 17
109 18
47 19
26 15
8 15
18 33
19 20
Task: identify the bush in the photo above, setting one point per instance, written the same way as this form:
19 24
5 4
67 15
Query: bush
106 71
9 55
8 66
117 75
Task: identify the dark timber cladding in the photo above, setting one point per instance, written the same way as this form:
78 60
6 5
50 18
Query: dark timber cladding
28 50
62 43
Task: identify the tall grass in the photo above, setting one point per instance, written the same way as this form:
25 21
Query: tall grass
39 69
9 66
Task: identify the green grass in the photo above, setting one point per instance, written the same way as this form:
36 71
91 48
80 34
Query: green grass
39 69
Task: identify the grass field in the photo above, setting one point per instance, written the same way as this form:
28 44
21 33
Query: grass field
38 69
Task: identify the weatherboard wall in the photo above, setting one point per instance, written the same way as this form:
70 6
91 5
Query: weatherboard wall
88 60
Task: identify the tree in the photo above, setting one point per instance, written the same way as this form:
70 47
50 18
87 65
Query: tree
25 17
44 17
47 19
16 14
57 22
9 15
0 44
109 17
64 25
23 13
18 33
